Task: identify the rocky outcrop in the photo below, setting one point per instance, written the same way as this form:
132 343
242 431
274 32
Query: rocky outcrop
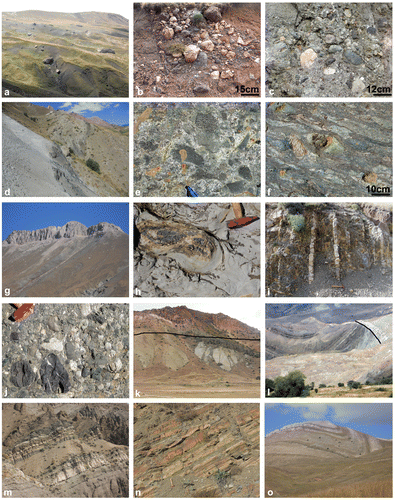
65 450
329 241
76 261
195 450
69 230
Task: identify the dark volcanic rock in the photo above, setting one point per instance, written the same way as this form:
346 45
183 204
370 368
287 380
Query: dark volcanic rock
48 60
22 374
107 51
54 375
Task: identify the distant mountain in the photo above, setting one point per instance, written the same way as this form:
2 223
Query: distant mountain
67 261
306 458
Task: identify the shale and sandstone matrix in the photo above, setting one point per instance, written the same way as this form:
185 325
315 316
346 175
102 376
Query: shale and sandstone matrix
190 250
212 147
66 450
328 49
67 261
67 351
329 249
328 149
196 450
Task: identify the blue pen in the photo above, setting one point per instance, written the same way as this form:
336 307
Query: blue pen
190 192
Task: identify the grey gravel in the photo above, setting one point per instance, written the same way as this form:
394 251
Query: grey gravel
61 350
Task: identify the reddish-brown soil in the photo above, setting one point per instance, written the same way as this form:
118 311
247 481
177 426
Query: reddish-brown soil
179 78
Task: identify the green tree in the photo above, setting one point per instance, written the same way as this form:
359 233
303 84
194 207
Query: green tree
93 165
290 386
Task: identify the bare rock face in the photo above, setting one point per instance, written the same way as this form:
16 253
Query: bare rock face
329 241
208 450
63 450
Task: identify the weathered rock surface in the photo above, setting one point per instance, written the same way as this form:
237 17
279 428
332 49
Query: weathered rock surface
345 149
194 450
65 450
214 148
328 250
54 377
90 341
71 260
328 345
358 35
215 358
231 269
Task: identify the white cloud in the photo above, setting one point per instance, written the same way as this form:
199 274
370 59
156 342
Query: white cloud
83 107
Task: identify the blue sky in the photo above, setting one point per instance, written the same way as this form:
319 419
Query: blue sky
116 113
374 419
30 216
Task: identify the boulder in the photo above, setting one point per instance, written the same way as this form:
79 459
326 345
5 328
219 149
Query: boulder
107 51
48 60
213 14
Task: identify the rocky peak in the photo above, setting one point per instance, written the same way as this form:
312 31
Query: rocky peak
103 227
69 230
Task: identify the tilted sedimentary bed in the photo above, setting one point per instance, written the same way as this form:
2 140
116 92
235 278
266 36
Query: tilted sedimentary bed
65 450
192 450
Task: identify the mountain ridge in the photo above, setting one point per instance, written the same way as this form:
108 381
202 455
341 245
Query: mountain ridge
69 230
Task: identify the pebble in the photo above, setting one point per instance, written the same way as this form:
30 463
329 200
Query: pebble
330 39
353 58
191 53
358 86
371 30
215 75
334 48
53 345
207 45
307 58
330 61
329 71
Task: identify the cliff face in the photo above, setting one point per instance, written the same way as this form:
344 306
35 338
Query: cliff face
65 450
69 230
196 450
71 260
328 249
